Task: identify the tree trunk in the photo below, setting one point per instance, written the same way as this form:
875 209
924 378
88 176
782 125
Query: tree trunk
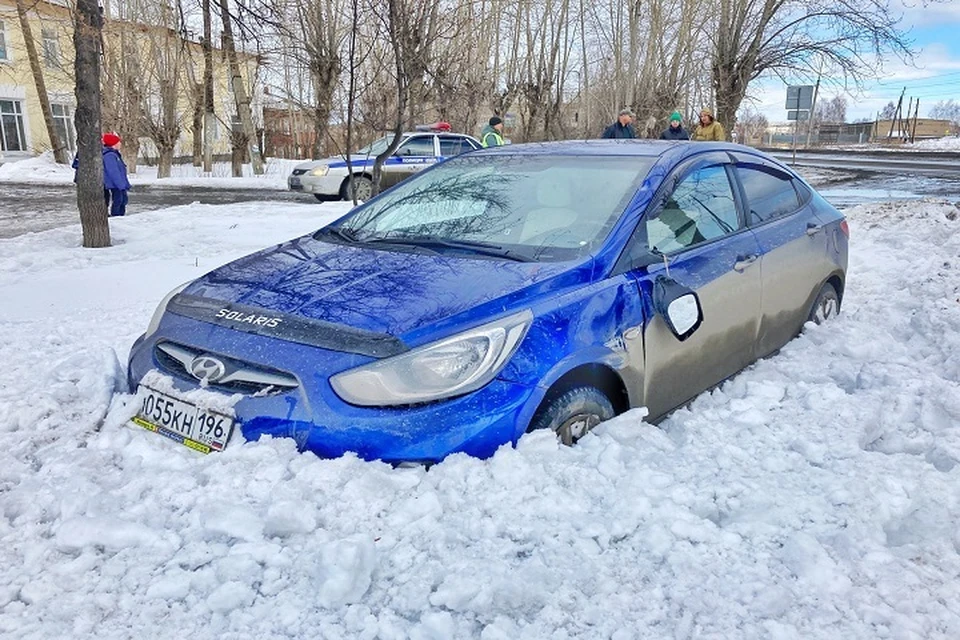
87 28
198 110
59 146
209 116
239 91
166 161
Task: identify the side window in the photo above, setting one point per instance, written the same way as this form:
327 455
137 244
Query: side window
701 208
452 147
770 193
418 146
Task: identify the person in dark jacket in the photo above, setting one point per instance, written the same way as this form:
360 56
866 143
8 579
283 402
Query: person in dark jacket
622 128
115 182
675 131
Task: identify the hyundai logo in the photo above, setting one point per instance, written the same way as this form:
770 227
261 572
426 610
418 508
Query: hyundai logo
207 368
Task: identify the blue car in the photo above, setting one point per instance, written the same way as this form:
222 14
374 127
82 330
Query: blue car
541 286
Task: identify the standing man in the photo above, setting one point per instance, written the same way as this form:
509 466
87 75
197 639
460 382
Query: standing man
115 182
675 131
709 129
622 128
492 134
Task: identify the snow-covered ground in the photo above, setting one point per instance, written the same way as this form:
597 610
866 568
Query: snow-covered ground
42 169
815 495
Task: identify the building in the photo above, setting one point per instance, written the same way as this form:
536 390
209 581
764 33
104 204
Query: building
23 132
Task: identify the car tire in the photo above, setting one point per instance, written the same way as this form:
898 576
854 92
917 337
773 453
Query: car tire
826 306
362 185
573 413
323 197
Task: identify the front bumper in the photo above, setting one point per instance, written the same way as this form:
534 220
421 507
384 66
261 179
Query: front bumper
320 422
328 185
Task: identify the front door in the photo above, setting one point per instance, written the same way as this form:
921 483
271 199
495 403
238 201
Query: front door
415 154
701 242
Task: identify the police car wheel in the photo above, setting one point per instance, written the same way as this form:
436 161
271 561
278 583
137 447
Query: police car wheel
362 187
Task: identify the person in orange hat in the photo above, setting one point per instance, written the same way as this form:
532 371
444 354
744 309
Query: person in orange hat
115 182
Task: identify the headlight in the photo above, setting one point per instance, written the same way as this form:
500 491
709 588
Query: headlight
320 171
451 367
161 309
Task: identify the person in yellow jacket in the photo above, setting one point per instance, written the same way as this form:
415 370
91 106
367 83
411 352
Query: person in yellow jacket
492 134
709 129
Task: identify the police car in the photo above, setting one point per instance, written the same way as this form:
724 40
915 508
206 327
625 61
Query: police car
328 179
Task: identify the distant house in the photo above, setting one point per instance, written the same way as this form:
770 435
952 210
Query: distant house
23 132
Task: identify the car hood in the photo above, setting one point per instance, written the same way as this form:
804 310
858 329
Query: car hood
335 162
406 295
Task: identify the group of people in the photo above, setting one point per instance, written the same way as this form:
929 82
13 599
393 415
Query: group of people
115 181
707 129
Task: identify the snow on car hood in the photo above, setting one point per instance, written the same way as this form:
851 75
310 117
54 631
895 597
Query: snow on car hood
372 290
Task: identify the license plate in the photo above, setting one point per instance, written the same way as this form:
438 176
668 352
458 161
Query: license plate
200 429
295 183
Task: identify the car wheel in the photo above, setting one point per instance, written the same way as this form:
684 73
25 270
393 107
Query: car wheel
826 305
574 413
362 188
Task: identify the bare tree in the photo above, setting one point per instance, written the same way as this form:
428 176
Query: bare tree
242 98
792 37
59 147
833 111
164 62
87 28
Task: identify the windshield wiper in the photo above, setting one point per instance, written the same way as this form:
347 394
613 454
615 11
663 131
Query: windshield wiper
430 242
346 235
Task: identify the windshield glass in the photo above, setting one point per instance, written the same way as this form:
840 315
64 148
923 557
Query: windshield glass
537 207
376 147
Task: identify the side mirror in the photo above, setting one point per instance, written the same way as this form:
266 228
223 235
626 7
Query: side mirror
679 306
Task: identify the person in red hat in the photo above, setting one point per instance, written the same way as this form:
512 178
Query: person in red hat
115 182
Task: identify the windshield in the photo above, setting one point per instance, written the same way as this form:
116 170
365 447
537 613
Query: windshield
376 147
534 207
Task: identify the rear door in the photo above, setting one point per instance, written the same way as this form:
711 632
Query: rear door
453 146
793 246
697 236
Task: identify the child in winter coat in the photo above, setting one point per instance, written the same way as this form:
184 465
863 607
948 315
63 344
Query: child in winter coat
115 182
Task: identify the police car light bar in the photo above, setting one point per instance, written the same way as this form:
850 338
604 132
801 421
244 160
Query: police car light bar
435 127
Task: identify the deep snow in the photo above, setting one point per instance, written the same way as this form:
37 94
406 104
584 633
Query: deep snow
815 495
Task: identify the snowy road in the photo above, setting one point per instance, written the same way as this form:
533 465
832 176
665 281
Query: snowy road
815 495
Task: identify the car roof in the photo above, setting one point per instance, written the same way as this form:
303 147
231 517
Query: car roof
605 147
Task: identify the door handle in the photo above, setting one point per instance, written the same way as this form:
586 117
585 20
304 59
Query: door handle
814 229
744 261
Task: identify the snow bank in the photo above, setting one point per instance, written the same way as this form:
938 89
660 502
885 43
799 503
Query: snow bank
44 169
947 143
815 495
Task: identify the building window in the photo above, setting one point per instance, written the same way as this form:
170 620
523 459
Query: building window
3 42
63 122
51 48
12 137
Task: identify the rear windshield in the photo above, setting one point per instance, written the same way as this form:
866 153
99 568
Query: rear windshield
539 207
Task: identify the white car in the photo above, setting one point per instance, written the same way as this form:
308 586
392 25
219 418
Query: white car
328 179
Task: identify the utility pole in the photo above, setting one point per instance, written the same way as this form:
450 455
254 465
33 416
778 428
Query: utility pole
813 107
893 121
916 112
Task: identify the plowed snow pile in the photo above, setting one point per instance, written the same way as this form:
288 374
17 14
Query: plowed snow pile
815 495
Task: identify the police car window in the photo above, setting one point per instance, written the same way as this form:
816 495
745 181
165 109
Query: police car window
701 208
770 193
419 146
452 146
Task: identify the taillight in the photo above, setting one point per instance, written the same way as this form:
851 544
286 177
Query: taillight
845 228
